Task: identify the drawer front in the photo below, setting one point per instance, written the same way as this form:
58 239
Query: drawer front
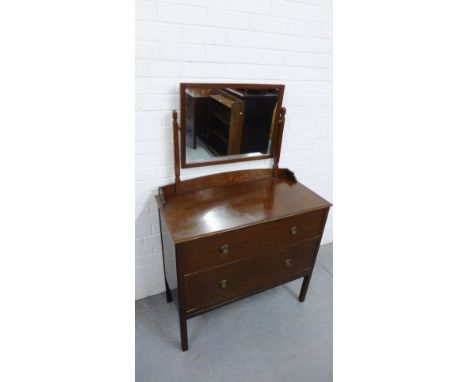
220 284
226 247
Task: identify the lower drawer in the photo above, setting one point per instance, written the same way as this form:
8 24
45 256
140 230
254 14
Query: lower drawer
226 282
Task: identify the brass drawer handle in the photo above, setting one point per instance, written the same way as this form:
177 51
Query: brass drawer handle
224 249
223 284
293 230
289 263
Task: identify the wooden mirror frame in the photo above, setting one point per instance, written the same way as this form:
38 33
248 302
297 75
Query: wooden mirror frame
276 135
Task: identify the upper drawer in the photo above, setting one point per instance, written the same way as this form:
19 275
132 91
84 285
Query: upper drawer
232 245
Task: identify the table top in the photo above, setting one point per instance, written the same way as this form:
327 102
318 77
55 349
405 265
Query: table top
214 209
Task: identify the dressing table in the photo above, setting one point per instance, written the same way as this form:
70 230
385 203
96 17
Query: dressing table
230 235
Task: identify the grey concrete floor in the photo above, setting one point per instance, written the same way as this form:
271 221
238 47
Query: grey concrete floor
267 337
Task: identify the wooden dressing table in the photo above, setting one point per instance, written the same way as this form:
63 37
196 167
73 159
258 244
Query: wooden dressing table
229 235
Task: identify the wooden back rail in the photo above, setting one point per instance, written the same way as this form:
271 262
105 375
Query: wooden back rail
220 179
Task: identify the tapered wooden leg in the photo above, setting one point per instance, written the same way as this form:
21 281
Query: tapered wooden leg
305 287
168 292
183 333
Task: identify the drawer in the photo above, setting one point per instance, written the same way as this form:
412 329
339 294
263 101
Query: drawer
229 246
226 282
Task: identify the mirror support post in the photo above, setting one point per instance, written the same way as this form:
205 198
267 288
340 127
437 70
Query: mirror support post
175 131
279 138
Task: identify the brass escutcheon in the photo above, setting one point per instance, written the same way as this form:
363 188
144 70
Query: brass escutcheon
293 230
289 263
225 249
223 284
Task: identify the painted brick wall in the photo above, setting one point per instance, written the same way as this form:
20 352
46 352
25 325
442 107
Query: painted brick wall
265 41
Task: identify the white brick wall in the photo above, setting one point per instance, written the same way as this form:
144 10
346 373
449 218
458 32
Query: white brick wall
282 41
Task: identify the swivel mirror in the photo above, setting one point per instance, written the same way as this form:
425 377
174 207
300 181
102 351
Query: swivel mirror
222 123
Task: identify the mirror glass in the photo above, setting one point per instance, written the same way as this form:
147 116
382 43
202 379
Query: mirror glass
228 123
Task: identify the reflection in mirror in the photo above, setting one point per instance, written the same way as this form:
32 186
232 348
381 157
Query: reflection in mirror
228 122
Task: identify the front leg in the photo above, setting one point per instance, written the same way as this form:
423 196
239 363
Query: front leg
183 333
305 287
